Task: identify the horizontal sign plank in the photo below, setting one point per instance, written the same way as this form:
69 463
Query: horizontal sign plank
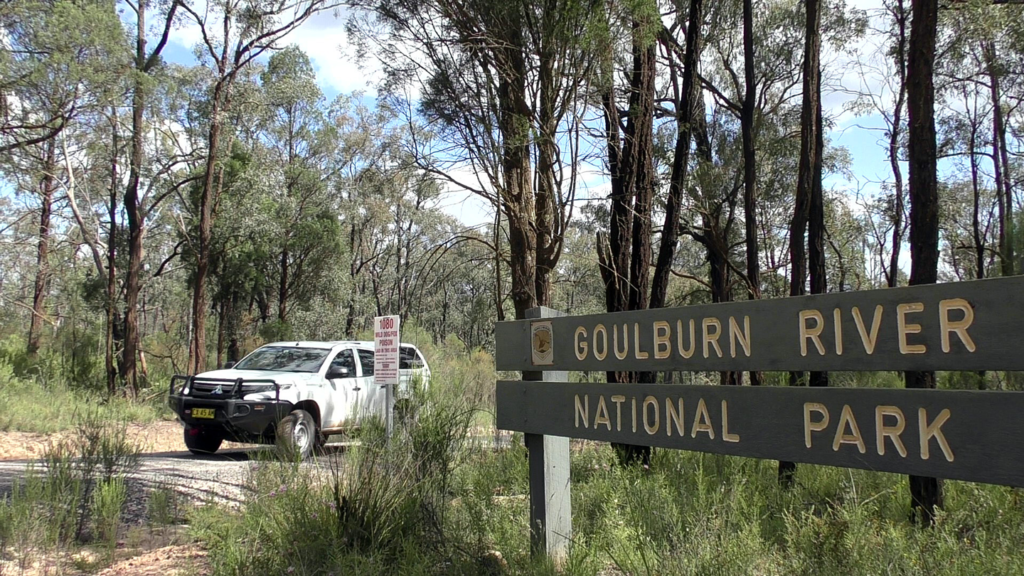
976 325
974 436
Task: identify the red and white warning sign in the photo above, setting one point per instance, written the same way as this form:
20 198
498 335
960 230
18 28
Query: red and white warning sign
385 359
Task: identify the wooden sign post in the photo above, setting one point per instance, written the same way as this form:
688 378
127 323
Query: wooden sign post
973 436
550 503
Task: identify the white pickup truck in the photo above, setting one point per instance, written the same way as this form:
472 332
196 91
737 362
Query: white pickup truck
294 394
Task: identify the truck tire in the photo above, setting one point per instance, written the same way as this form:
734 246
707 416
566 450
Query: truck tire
296 435
202 440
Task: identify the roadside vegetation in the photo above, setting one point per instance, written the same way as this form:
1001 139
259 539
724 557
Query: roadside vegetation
45 397
69 514
443 498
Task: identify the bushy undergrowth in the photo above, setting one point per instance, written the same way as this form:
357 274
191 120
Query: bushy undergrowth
49 405
431 502
74 497
381 508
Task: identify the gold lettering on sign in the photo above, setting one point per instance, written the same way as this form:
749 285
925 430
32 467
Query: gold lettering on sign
742 337
618 399
725 425
639 354
959 326
711 338
581 344
892 432
837 317
601 353
868 340
702 421
686 352
846 420
621 354
808 333
662 339
901 321
677 416
582 410
601 417
928 431
651 428
810 425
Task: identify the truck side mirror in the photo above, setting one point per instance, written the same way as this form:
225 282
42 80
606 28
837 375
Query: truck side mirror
339 372
230 364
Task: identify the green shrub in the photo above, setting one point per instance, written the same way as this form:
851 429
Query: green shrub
162 506
108 500
28 405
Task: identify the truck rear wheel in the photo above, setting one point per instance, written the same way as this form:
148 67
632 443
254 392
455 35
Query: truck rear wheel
202 440
296 435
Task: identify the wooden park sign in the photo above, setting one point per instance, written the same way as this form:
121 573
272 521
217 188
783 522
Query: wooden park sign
975 436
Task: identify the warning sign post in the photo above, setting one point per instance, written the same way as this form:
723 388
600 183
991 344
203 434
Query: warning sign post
385 362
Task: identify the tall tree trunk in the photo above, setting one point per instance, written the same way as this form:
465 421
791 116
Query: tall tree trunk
635 180
47 185
221 331
1000 164
976 232
499 300
282 293
749 161
615 268
681 160
547 152
133 213
518 186
197 346
816 228
900 13
112 316
925 493
639 156
807 172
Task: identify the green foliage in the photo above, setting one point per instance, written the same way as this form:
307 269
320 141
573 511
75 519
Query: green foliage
108 499
28 405
74 497
431 502
164 506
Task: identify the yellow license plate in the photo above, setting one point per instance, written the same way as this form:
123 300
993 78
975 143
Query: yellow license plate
202 412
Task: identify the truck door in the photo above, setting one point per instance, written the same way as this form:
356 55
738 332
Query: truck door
373 396
346 388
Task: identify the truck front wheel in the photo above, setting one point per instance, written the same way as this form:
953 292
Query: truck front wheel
296 435
202 440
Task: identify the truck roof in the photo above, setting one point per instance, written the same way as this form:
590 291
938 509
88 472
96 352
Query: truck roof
327 344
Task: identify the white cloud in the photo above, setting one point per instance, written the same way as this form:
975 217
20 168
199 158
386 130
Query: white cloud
324 40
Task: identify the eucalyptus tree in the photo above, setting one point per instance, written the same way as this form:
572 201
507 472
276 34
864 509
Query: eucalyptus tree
58 60
59 63
501 83
925 493
233 34
980 70
301 142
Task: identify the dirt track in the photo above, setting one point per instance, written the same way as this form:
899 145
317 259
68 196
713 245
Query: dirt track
156 437
164 463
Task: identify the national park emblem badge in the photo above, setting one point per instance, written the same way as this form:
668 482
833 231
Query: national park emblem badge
541 343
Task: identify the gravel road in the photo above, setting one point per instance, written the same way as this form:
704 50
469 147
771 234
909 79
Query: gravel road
218 478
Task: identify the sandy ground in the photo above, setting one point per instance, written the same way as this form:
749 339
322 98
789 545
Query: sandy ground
161 436
157 554
165 463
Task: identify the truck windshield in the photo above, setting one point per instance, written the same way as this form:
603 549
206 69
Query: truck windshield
284 359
